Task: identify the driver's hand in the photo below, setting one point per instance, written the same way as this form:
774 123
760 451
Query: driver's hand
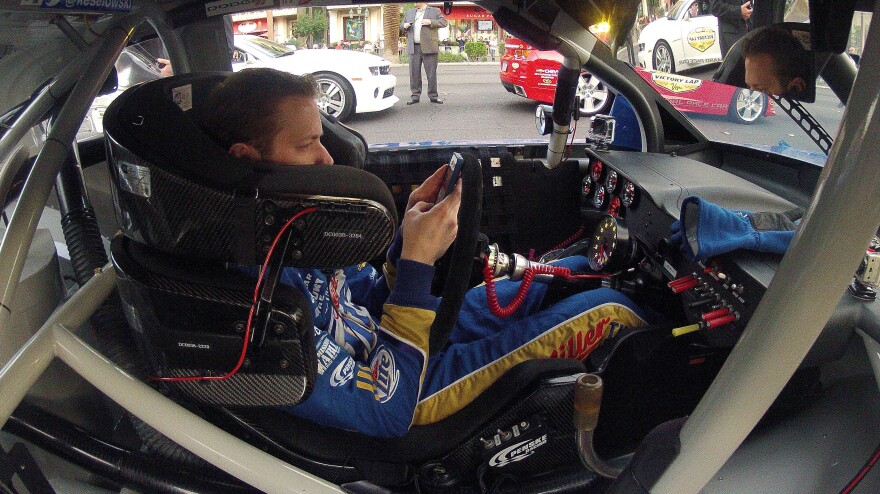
745 10
428 229
165 69
427 192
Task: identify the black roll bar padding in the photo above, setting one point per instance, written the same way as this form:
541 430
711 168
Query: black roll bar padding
566 87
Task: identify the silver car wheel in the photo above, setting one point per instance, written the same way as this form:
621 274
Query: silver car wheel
663 60
748 105
335 95
593 93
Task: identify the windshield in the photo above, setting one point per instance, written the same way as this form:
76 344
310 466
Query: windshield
489 83
268 48
676 9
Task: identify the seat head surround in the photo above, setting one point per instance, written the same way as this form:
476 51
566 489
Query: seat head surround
177 190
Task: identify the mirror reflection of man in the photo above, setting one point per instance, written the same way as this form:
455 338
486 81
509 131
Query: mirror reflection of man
776 62
733 21
423 45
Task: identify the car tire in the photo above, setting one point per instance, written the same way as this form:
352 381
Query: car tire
335 97
663 59
595 96
747 106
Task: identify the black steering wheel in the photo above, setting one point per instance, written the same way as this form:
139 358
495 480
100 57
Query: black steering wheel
462 253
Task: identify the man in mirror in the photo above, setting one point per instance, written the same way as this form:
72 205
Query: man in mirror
776 62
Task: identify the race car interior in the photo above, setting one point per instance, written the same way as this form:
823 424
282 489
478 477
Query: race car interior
175 208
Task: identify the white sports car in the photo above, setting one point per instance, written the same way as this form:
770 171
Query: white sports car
350 81
686 38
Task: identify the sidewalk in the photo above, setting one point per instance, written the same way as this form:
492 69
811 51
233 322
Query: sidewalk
452 63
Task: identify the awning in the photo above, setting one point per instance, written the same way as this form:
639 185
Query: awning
468 13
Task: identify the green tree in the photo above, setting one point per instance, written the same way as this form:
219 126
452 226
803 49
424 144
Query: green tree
476 50
311 25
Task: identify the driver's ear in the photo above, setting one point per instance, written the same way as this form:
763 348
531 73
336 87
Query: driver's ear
796 86
243 150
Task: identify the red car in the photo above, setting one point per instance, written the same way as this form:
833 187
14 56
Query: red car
532 74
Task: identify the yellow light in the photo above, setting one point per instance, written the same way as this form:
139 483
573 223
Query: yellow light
602 27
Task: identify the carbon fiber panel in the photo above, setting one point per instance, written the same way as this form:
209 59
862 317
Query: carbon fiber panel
185 329
340 233
549 407
242 389
184 218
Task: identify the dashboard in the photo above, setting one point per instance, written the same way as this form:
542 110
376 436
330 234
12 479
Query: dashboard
635 197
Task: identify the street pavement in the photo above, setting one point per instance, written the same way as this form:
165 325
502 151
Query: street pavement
477 107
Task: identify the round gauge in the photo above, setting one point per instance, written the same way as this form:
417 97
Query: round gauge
599 197
597 171
629 194
586 186
611 182
614 206
610 245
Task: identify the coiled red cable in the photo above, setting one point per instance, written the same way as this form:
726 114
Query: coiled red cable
247 330
528 276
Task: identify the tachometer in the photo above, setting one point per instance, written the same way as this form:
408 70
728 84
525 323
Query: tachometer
596 172
610 246
599 197
628 194
611 182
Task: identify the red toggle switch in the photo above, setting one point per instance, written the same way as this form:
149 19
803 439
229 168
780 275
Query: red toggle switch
721 321
715 314
683 287
679 281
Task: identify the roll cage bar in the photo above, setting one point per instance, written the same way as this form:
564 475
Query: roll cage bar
781 331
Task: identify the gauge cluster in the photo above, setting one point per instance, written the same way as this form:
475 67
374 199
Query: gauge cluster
607 190
632 199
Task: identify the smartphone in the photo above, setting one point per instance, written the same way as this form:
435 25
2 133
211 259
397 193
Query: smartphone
453 171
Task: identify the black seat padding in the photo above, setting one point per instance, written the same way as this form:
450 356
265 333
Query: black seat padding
421 442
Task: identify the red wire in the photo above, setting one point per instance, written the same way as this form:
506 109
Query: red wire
528 276
565 243
247 331
864 471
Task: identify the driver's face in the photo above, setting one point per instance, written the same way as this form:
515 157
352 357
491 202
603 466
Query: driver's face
761 75
298 141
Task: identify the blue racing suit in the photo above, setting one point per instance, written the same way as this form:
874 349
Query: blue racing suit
374 374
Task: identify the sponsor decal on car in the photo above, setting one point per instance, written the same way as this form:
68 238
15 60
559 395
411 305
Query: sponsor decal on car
385 374
689 61
701 38
542 72
675 83
517 452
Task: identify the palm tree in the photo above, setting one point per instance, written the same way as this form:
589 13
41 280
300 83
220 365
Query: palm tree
391 27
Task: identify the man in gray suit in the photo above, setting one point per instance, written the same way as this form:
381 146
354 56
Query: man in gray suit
422 44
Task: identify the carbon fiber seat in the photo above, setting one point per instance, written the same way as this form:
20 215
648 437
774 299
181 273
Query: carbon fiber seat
187 209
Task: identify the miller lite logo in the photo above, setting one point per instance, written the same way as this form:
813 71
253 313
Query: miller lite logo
385 373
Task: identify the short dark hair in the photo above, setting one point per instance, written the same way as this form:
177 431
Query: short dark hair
789 55
244 107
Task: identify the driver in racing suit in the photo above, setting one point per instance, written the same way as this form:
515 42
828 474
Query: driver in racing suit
371 331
